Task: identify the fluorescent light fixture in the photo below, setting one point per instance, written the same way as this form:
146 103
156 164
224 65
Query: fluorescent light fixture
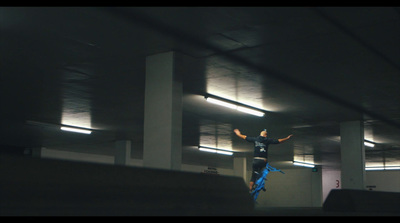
297 163
78 130
392 167
225 152
250 111
383 168
375 168
369 144
222 103
215 150
207 150
235 107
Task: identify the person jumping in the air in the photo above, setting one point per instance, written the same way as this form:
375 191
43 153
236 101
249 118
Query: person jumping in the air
261 143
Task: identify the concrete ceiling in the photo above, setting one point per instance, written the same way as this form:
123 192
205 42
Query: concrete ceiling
310 68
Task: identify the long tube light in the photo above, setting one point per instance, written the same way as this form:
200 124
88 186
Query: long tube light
235 107
369 144
383 168
250 111
78 130
225 152
297 163
215 150
392 167
222 103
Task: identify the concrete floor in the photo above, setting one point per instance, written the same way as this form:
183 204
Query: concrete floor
311 211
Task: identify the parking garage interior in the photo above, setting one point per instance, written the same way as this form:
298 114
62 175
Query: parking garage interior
133 84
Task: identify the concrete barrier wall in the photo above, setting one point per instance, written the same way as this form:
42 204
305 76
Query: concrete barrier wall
33 186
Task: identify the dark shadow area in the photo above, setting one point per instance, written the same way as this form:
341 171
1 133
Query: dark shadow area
40 187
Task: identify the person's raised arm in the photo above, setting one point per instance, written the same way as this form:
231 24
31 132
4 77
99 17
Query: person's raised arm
237 132
284 139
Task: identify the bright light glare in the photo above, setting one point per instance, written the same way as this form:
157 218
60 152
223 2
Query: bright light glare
250 111
224 152
207 150
392 167
310 165
383 168
222 103
233 106
374 168
369 144
84 131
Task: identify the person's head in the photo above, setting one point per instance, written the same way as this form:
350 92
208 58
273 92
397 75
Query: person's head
263 133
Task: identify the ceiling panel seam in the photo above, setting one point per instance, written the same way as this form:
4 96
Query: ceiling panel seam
349 33
195 40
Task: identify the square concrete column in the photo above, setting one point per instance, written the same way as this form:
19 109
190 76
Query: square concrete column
352 155
240 167
162 146
122 152
35 152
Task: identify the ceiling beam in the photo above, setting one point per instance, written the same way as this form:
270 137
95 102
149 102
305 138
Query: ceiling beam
144 20
351 34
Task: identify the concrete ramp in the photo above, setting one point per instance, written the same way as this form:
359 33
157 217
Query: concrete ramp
346 200
43 187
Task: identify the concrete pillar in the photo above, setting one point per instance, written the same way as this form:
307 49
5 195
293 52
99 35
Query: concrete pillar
240 167
352 155
122 152
35 152
162 113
